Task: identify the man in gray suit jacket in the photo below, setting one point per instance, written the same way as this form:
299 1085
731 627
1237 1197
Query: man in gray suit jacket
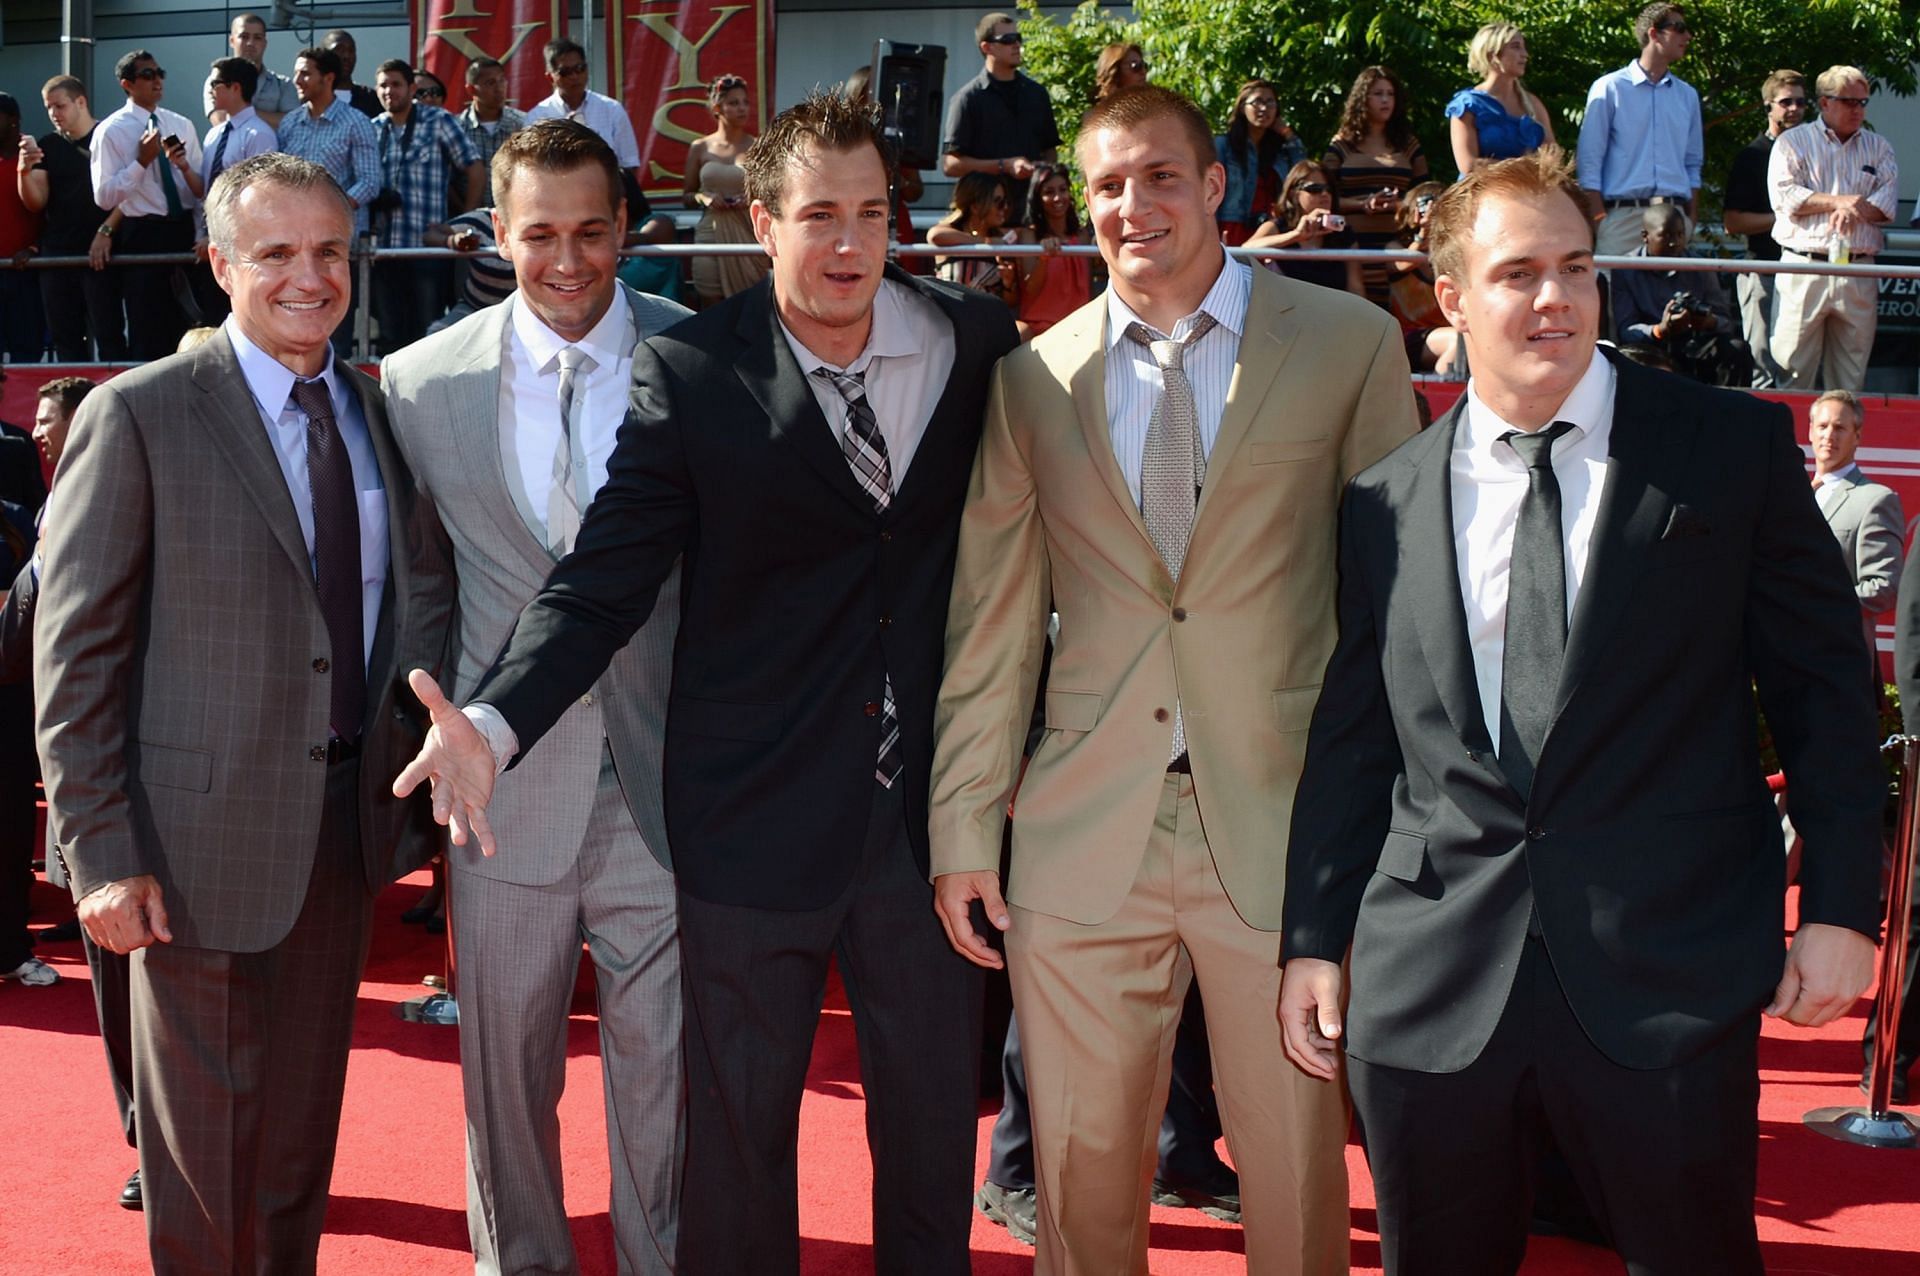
1865 516
217 656
478 412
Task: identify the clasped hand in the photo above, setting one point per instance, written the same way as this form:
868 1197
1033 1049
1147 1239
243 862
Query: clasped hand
457 759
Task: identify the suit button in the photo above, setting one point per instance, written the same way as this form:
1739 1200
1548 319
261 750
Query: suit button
1161 715
1472 756
318 753
587 699
1536 834
886 622
886 537
1179 613
320 664
871 708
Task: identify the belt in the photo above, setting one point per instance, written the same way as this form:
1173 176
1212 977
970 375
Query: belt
1182 765
339 750
1650 201
1857 257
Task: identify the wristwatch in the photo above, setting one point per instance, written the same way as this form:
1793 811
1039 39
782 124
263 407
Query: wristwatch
105 231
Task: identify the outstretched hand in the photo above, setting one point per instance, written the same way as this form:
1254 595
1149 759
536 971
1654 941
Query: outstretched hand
458 761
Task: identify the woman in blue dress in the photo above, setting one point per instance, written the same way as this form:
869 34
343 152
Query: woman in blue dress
1497 118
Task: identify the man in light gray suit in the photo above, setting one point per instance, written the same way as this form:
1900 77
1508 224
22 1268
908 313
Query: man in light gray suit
481 412
1864 515
226 607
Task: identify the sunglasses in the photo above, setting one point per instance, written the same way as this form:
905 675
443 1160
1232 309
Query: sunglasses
1858 103
1313 188
1011 37
571 68
1678 28
428 95
1789 101
149 73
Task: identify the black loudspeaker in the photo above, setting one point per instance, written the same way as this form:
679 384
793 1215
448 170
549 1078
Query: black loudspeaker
909 83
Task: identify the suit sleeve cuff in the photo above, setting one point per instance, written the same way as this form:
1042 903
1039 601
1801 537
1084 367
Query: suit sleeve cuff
499 736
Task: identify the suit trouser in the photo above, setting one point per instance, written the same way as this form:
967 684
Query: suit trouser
1823 326
1757 304
1664 1156
18 771
240 1063
755 979
1187 1130
519 954
112 975
155 320
83 303
1099 1006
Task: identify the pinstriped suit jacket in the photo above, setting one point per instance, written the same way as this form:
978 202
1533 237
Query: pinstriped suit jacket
181 660
443 394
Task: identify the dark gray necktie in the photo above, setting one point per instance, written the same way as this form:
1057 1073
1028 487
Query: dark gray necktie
336 551
220 153
1536 634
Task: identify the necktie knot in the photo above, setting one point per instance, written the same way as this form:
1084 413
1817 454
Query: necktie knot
1170 352
1535 448
311 397
572 359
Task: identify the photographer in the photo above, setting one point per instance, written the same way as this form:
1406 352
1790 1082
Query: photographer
420 148
1684 314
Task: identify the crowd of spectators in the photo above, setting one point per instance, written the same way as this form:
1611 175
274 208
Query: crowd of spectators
93 187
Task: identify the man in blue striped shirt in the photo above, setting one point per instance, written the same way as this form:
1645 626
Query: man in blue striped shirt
420 146
1640 144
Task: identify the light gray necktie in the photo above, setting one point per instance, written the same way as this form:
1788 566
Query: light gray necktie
1174 463
564 503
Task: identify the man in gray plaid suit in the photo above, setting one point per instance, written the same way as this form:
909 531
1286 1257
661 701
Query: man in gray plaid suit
508 419
221 629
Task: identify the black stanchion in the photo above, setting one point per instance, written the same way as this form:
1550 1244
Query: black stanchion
1877 1125
439 1007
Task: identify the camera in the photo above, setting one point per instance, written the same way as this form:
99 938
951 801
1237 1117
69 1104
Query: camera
1687 304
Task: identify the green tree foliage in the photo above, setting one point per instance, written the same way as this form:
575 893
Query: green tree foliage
1312 49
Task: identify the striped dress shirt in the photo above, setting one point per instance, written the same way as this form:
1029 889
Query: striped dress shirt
1133 379
1810 160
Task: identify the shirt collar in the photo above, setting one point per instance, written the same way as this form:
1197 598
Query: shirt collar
1226 301
241 116
604 341
892 335
1834 478
1638 74
1589 406
271 381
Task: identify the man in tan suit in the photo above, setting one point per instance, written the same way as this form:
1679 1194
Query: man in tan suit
1151 839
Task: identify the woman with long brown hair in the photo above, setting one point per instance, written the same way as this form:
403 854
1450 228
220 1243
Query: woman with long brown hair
1055 284
1255 150
978 216
715 180
1120 67
1303 217
1372 161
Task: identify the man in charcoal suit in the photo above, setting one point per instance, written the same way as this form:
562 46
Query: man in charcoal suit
806 446
217 653
478 413
1545 841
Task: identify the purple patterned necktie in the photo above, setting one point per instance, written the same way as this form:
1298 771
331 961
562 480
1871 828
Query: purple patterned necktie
336 551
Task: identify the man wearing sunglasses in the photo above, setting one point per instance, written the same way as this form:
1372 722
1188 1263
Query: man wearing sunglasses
1001 121
146 163
1640 144
573 100
1749 212
1834 184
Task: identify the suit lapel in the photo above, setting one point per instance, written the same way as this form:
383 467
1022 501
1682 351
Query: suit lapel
1265 342
1087 384
234 422
1430 563
473 420
767 368
394 479
1830 507
1650 446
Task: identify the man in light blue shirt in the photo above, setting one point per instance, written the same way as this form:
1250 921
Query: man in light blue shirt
1640 144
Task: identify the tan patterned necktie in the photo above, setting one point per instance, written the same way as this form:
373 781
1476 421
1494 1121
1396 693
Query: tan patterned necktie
1174 463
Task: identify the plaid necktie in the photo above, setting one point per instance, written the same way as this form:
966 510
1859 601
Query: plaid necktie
174 206
563 498
866 453
336 551
1174 463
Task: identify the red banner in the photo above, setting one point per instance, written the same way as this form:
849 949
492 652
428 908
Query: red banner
448 34
664 53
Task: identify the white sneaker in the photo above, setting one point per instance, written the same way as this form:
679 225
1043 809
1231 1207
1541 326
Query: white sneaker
34 973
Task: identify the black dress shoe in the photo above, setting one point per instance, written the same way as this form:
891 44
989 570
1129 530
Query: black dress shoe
130 1198
66 932
1216 1196
1015 1208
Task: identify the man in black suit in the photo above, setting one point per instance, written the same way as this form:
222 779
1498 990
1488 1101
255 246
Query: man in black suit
1544 832
806 446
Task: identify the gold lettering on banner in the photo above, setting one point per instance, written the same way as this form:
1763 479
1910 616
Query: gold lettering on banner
471 50
464 9
689 50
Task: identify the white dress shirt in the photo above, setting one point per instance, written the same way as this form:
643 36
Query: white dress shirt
121 181
250 136
1133 380
1489 481
601 114
271 384
530 398
907 360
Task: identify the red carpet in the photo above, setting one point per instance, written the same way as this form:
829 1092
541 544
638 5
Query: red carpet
398 1204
